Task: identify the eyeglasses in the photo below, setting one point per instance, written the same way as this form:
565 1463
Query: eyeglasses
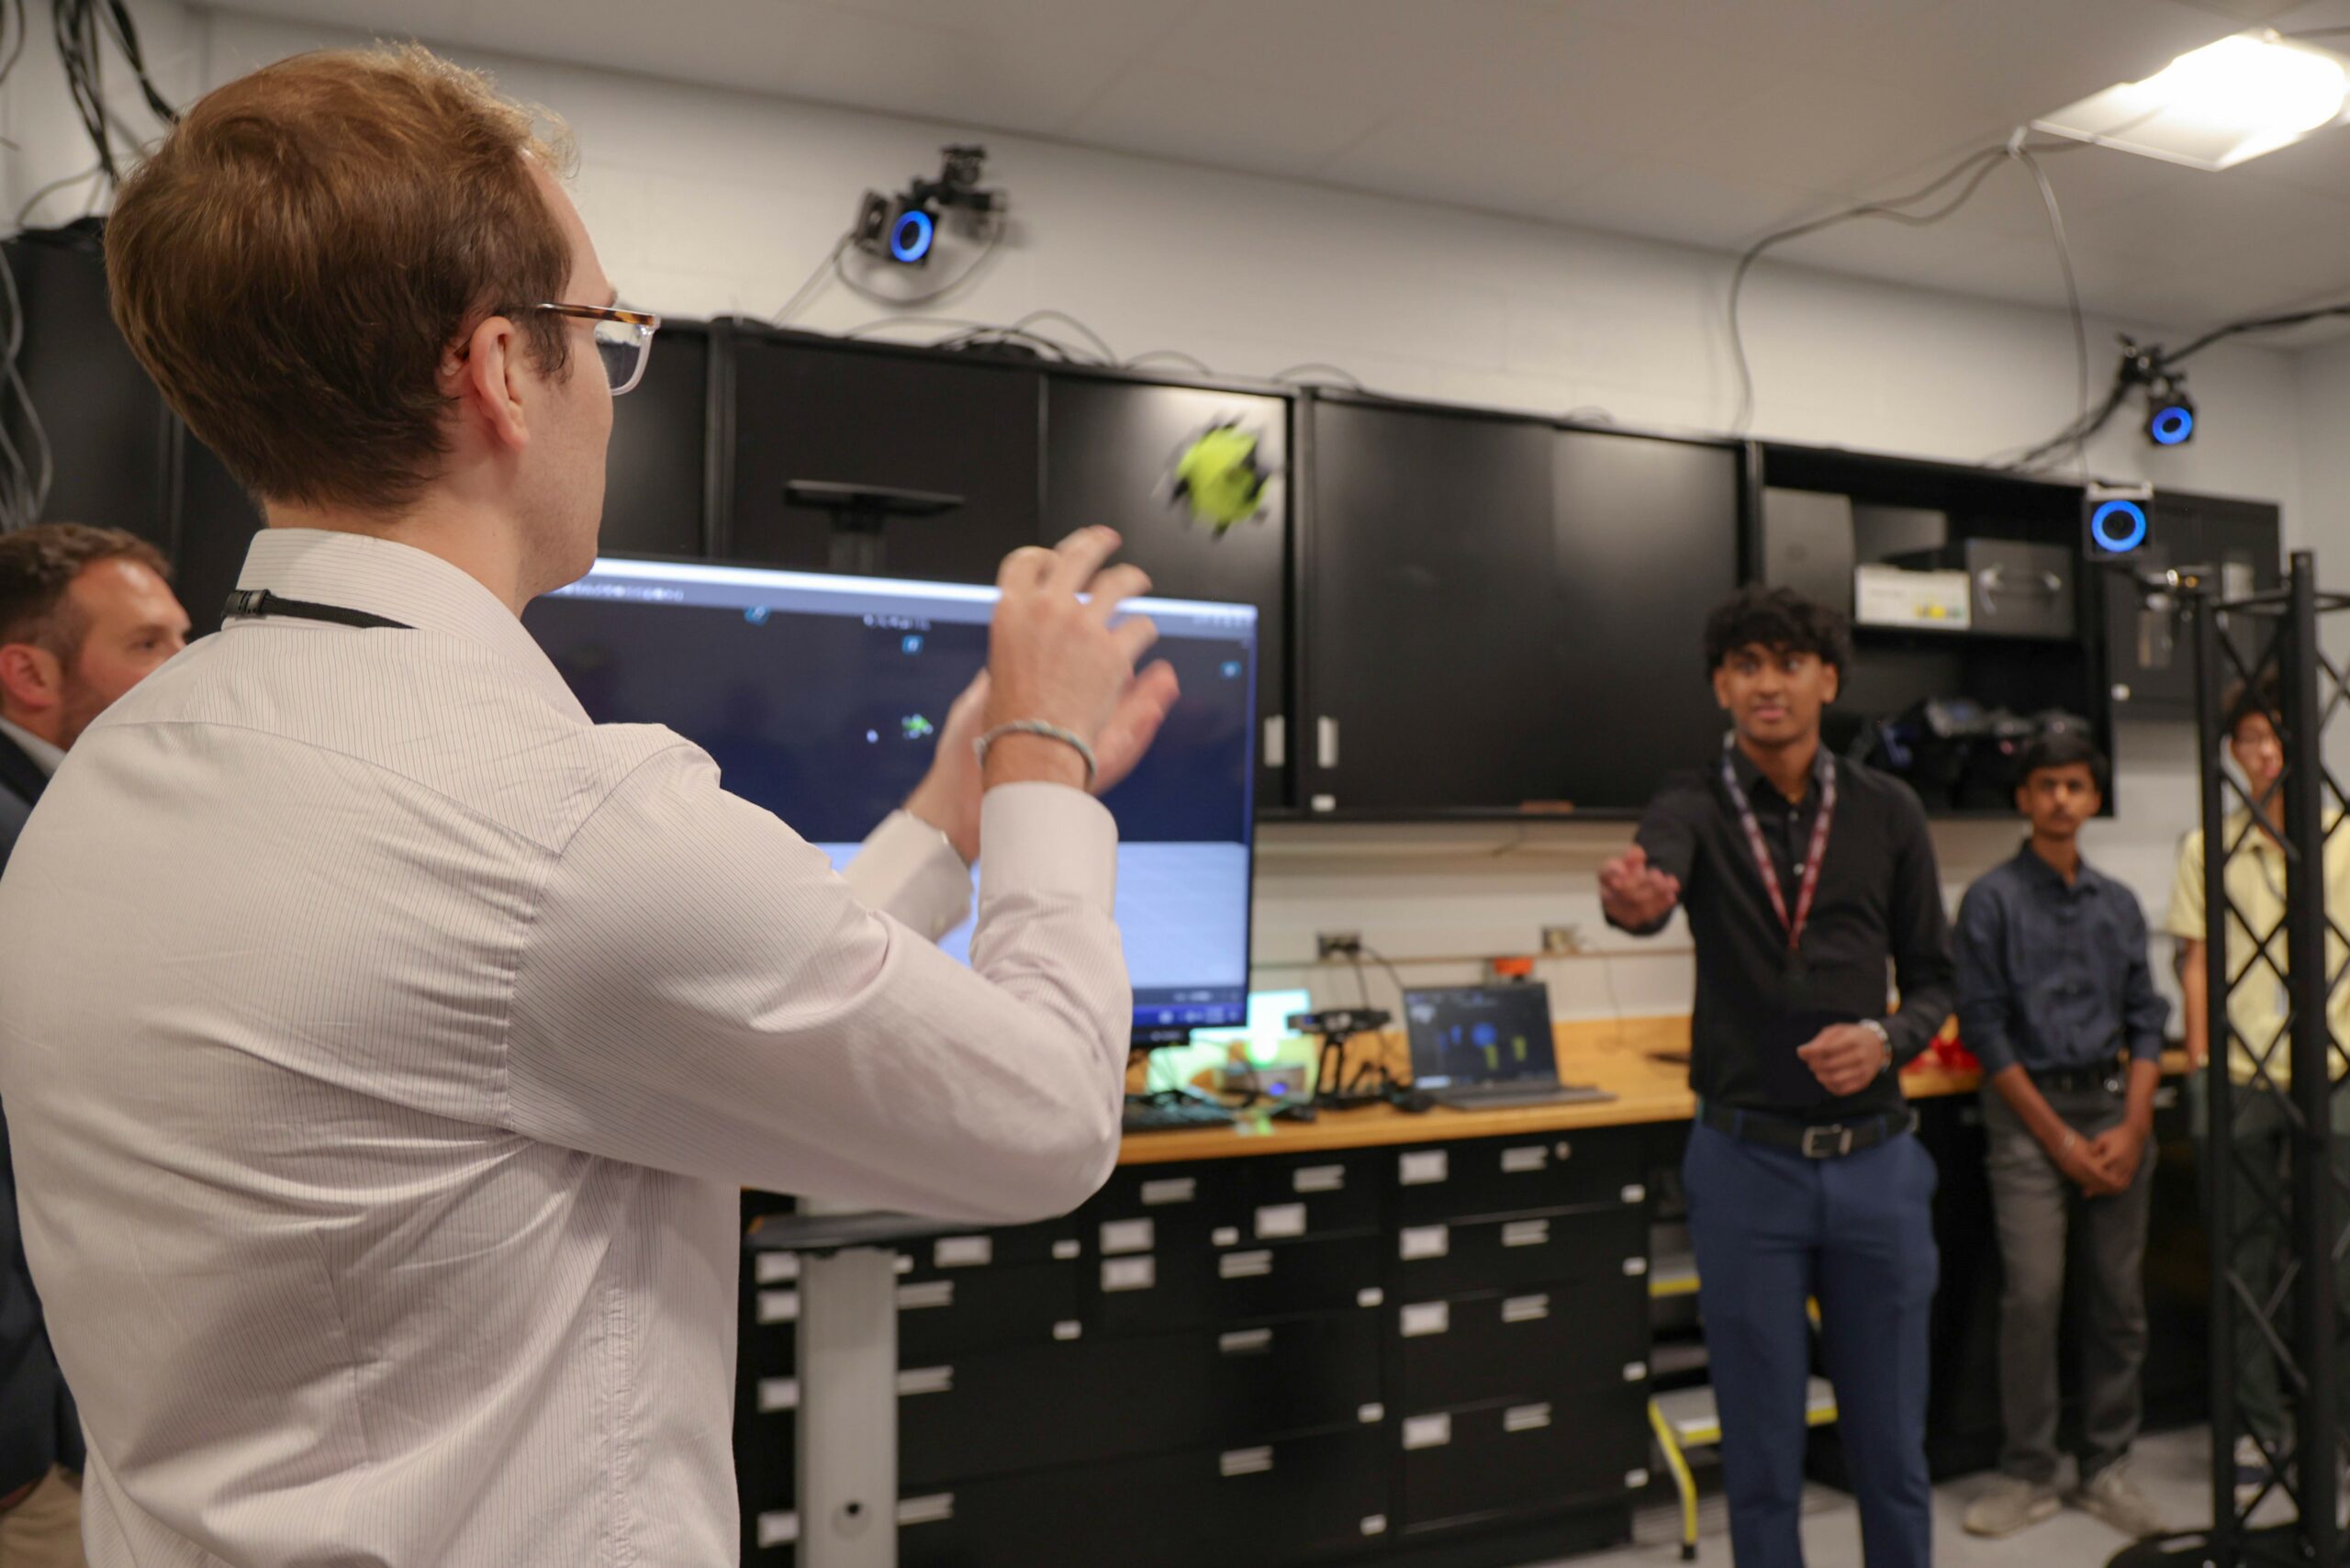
624 339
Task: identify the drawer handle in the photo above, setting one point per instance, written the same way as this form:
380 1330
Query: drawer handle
776 1268
1129 1273
1326 741
1245 1265
1066 1249
778 1306
1635 1479
778 1530
1526 1233
935 1510
1245 1342
1225 1235
1526 1308
1635 1267
928 1294
1278 1221
1376 1524
1170 1189
1318 1179
1370 1415
916 1380
962 1252
1424 1241
1427 1318
1370 1295
1245 1461
1276 740
778 1394
1121 1236
1636 1193
1426 1431
1421 1168
1635 1371
1525 1418
1067 1329
1526 1157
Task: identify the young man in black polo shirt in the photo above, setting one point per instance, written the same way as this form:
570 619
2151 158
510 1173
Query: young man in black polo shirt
2055 996
1803 876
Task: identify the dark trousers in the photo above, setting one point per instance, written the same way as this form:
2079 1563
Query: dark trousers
2039 1210
1771 1230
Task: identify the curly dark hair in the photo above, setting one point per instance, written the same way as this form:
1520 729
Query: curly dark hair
1779 619
2062 748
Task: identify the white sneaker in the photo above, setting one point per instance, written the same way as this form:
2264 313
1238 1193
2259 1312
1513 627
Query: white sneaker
2111 1497
2010 1504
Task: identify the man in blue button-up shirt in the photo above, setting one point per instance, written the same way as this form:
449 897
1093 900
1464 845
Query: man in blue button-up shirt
2054 996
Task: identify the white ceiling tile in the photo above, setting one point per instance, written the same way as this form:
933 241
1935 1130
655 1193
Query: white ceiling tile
1707 122
1652 197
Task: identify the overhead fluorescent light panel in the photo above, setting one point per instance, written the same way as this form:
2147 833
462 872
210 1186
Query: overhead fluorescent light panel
2215 107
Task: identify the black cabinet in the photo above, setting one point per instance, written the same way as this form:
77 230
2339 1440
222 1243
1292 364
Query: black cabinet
113 444
1431 602
217 521
2150 648
654 469
1110 448
1504 616
1648 543
815 412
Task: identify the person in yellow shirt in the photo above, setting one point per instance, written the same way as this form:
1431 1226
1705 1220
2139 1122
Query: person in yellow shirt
2259 1055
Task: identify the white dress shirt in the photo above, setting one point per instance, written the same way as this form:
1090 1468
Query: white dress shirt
384 1046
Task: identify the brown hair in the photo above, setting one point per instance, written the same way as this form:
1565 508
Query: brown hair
39 564
293 261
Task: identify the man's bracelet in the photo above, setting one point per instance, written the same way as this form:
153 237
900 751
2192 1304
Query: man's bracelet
1885 1035
1038 727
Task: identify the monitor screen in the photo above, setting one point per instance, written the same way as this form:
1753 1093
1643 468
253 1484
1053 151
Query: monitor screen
1495 1033
821 697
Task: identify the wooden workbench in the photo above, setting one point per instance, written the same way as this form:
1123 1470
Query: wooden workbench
1622 1058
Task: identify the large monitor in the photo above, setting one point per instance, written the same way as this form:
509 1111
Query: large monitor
821 699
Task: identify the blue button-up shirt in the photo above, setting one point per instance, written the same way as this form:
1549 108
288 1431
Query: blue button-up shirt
2052 976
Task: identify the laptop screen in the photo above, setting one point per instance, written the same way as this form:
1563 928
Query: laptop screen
1497 1034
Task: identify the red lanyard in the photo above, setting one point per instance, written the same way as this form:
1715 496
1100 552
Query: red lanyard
1812 860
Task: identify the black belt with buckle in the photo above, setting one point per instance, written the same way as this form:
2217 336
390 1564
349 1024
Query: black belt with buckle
2107 1075
1813 1140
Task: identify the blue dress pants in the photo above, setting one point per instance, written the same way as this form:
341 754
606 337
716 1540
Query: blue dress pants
1772 1229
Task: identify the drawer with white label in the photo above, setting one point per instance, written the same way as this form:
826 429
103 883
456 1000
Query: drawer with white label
1442 1259
1310 1195
1145 1208
1461 1467
1466 1349
1266 1506
1483 1177
1243 1282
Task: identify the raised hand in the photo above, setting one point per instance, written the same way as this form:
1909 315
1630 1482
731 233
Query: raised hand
1636 894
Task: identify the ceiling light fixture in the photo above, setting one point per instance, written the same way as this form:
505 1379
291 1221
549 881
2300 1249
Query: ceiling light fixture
2215 107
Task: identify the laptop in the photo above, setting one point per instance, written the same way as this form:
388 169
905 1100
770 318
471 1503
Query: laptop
1487 1045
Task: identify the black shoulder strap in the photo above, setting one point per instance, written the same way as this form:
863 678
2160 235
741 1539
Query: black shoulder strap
255 603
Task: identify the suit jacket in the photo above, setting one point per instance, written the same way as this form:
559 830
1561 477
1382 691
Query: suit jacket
39 1425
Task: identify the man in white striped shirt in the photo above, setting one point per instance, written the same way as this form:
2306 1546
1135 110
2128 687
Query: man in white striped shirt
386 1210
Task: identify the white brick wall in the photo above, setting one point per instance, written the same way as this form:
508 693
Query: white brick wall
706 201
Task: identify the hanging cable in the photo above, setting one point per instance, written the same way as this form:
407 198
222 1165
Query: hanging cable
1974 168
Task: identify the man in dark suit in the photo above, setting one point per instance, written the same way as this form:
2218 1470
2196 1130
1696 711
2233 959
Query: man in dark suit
85 614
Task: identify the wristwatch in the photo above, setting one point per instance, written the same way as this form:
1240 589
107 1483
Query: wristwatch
1876 1027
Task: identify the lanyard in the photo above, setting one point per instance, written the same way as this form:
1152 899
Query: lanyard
256 603
1815 858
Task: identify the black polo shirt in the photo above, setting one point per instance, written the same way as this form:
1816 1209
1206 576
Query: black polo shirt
1879 904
